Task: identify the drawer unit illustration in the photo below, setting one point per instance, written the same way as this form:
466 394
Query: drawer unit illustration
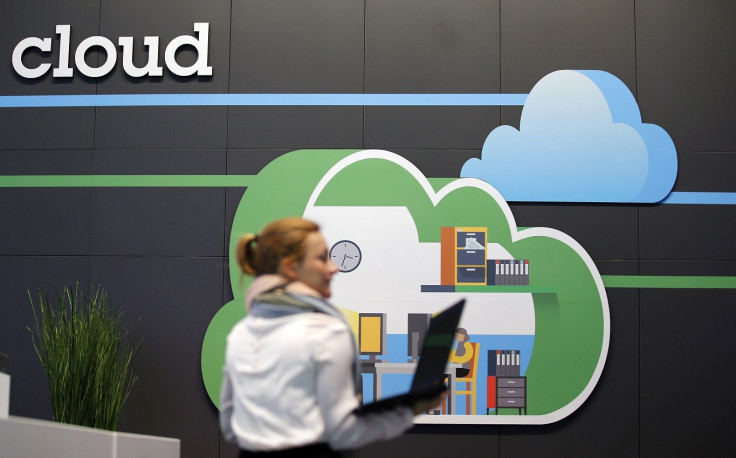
464 255
511 393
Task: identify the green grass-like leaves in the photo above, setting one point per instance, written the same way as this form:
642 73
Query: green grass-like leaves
83 349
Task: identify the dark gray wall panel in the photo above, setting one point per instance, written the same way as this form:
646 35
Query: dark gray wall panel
47 128
45 162
439 442
696 232
605 231
45 221
511 116
160 162
39 18
431 47
618 268
251 161
161 127
175 299
295 127
688 268
686 348
437 163
30 396
706 172
228 449
167 19
295 46
686 70
539 37
158 221
161 226
429 127
40 221
419 46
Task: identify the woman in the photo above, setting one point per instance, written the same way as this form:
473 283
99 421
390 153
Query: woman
291 378
463 353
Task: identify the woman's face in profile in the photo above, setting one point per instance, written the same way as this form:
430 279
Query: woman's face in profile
316 269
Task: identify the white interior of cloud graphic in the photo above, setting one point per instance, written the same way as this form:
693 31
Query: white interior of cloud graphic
395 264
393 258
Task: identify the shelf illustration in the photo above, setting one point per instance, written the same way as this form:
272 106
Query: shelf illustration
464 263
486 289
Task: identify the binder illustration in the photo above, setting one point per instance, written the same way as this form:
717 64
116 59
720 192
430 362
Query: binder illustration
507 363
492 362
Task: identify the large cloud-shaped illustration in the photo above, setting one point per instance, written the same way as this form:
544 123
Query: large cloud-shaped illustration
580 139
384 204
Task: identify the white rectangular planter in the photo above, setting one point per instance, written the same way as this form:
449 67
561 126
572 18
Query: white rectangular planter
25 437
4 395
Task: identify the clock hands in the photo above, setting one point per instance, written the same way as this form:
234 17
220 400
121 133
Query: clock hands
344 258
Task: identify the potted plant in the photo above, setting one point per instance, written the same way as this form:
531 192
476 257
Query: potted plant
86 355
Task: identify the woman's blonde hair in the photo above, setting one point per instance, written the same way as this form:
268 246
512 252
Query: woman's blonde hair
262 253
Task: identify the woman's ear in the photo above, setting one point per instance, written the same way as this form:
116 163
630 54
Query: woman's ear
287 268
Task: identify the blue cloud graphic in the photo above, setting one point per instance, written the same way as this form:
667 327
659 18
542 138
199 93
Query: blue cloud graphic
580 139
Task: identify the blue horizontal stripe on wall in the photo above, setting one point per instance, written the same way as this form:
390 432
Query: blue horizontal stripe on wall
701 198
122 100
191 181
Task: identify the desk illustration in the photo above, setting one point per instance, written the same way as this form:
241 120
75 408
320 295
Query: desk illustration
379 368
494 284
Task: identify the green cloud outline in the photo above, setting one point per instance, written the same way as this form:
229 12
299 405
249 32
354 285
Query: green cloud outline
565 338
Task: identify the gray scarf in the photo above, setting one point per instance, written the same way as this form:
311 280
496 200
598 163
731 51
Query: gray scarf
277 303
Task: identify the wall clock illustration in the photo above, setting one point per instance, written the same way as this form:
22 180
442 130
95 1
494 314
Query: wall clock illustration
346 255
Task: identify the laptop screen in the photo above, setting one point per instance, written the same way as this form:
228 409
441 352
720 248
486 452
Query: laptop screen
437 346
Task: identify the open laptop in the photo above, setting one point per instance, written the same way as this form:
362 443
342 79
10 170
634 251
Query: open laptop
429 376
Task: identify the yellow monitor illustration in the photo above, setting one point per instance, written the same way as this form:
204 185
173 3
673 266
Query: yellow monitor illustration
372 334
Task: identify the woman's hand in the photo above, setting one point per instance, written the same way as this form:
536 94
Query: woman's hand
421 407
